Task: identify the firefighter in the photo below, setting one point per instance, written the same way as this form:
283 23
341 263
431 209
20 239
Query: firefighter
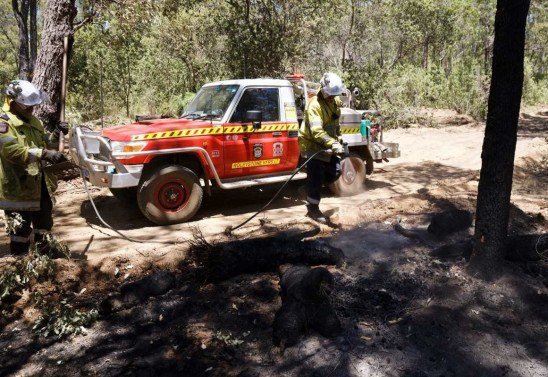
321 131
25 146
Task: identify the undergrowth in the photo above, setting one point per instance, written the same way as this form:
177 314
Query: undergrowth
25 273
61 319
399 92
32 273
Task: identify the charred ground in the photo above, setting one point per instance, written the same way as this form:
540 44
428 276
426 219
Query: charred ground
404 310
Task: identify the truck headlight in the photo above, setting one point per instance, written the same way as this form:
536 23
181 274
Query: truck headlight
127 146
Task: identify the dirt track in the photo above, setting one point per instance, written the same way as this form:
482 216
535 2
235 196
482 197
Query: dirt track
445 158
419 304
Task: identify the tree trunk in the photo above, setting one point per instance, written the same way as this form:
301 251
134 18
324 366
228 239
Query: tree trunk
58 23
499 145
21 14
33 36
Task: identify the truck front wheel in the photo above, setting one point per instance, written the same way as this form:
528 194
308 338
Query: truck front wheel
170 195
352 177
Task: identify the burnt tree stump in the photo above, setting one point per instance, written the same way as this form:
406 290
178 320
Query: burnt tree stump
305 305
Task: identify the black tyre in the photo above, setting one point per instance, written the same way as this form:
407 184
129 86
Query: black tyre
352 178
170 195
127 195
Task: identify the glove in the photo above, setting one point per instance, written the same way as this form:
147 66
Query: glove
53 157
337 148
63 127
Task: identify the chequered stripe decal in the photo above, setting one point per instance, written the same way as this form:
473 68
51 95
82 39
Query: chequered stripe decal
227 130
350 130
214 131
179 133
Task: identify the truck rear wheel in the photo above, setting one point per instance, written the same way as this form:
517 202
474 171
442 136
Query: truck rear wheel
171 195
352 177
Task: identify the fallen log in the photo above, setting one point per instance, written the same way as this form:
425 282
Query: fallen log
221 261
519 248
138 291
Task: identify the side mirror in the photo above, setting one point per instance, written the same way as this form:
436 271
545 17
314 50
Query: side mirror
254 117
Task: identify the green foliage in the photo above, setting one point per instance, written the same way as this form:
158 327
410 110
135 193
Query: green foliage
406 87
535 87
14 223
61 319
399 53
58 317
228 339
24 273
8 44
35 267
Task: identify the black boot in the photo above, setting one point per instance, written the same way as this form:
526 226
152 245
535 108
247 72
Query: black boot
313 211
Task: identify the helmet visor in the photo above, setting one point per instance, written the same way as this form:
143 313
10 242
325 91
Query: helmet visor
32 99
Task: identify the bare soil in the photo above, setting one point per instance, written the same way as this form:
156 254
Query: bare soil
403 311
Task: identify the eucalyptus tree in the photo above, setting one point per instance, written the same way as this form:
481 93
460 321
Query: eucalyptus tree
499 145
59 17
25 12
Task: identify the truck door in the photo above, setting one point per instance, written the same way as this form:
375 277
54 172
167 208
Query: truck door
248 151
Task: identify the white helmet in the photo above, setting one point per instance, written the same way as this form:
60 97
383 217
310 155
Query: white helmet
331 84
25 93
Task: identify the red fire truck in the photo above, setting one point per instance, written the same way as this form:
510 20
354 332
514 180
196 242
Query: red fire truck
233 134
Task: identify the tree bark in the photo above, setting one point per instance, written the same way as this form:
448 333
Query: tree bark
58 23
499 145
21 13
33 36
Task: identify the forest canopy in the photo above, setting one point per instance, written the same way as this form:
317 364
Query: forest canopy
400 54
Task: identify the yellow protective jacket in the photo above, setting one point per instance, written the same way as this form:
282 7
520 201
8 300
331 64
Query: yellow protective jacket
21 144
320 128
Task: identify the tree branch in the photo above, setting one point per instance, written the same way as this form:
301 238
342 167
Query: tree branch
84 22
9 39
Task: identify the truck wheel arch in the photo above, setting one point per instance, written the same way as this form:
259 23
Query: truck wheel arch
189 160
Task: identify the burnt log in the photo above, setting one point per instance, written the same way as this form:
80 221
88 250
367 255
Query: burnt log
528 247
518 248
305 305
138 291
454 251
225 260
451 221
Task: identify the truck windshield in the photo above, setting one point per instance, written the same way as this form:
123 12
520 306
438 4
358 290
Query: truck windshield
211 102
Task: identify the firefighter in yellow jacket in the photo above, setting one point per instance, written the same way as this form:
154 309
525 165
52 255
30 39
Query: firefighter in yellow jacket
25 147
321 131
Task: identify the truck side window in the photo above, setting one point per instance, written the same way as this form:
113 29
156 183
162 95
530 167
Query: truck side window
265 99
